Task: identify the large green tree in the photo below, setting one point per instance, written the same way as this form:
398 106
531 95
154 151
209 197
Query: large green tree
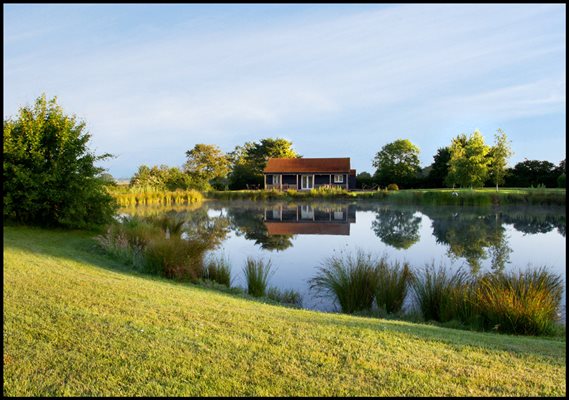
249 161
206 162
499 155
439 168
468 164
397 162
50 177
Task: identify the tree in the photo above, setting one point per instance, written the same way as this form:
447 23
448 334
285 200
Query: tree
439 168
206 162
468 164
397 162
364 180
50 177
532 173
499 155
250 160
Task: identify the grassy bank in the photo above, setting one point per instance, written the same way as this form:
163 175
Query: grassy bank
78 323
477 197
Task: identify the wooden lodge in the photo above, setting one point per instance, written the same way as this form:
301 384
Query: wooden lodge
309 173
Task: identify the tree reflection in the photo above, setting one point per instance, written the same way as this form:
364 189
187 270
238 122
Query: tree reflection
397 228
474 238
249 223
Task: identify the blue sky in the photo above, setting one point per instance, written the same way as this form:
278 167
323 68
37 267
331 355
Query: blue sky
151 81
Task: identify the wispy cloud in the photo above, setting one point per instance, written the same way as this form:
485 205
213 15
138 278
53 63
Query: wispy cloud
179 87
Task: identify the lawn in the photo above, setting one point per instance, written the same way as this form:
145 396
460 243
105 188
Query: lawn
79 324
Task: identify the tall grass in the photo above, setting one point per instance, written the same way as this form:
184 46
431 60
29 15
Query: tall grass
351 280
437 291
523 302
391 285
289 296
218 269
128 197
257 273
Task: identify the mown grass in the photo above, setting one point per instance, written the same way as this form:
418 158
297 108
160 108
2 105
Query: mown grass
77 323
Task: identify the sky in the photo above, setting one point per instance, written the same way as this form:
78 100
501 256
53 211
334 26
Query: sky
338 80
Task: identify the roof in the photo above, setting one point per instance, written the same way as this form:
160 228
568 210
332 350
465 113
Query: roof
307 228
308 165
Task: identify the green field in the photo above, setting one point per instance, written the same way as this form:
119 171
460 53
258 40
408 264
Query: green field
79 324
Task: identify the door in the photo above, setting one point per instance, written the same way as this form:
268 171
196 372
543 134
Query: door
307 182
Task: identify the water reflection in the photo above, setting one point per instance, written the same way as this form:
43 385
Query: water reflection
306 219
397 228
298 237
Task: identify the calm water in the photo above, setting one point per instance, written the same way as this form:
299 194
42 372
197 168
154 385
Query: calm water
298 237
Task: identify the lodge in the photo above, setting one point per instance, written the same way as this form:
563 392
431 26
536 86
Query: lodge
309 173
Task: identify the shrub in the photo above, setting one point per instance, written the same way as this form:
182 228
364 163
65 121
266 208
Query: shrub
392 282
50 178
351 280
257 274
561 181
392 186
525 302
176 258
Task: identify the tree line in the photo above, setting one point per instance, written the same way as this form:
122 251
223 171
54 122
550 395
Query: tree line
50 176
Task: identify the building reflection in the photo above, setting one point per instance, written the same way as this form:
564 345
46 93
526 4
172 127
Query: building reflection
285 219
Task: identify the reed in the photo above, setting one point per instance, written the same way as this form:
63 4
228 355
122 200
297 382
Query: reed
287 297
523 302
351 280
257 273
436 290
392 285
218 269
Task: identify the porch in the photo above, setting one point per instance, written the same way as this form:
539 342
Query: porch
304 181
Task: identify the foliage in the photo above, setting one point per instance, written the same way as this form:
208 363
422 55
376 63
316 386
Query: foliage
499 155
439 168
257 273
50 177
364 180
468 164
397 162
562 181
533 173
206 162
392 186
146 196
249 161
163 178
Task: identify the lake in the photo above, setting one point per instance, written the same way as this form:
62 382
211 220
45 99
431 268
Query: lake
297 237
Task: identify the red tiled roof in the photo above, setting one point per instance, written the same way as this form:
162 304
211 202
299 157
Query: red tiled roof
307 228
308 165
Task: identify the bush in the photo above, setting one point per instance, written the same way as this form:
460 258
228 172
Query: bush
351 280
257 274
392 186
50 178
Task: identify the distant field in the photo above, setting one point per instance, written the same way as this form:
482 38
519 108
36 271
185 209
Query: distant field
78 324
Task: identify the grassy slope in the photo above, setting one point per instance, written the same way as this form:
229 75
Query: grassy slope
75 324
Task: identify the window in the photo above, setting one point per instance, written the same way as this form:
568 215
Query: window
276 179
338 178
